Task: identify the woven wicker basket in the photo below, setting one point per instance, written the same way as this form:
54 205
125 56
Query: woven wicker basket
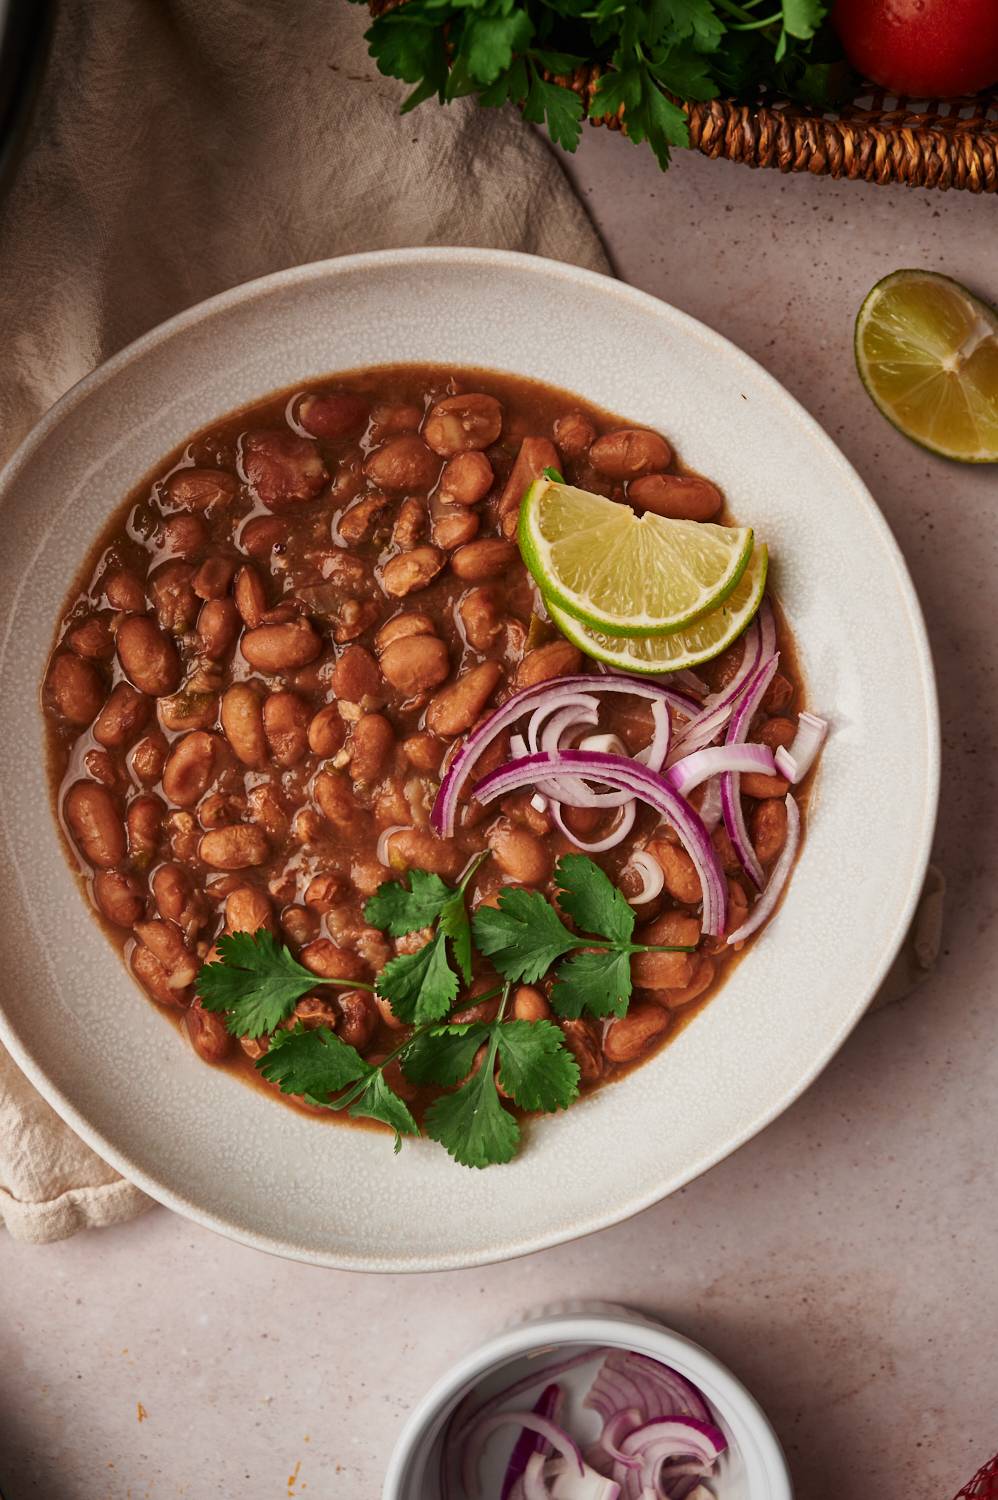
927 143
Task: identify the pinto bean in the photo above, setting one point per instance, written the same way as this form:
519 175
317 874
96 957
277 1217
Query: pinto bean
266 806
404 463
454 526
556 659
414 664
424 753
100 766
124 591
582 1040
188 710
314 1011
237 847
182 536
191 767
409 524
681 497
353 618
247 909
174 601
725 849
672 927
459 424
418 848
217 628
776 733
149 757
324 892
118 896
536 454
208 1033
681 879
478 561
629 452
466 479
660 971
213 578
197 489
95 823
242 721
162 982
400 626
148 657
357 523
261 535
519 854
757 784
91 637
778 696
300 925
176 898
630 1036
768 829
339 415
334 796
481 1010
276 648
286 718
356 675
574 434
371 744
75 688
250 596
326 732
402 416
455 708
359 1018
411 571
125 713
480 616
700 980
324 958
282 468
529 1004
144 821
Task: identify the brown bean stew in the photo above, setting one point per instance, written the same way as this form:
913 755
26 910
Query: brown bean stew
276 642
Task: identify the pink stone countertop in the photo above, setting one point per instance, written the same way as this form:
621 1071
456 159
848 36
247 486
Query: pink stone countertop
844 1262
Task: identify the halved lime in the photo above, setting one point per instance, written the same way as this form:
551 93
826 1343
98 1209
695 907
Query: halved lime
701 641
622 573
927 352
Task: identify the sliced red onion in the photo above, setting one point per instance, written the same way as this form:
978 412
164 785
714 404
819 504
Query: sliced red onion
463 1421
444 814
652 877
606 744
381 852
531 1444
627 1378
731 800
766 904
718 708
654 753
534 1484
795 762
620 1425
567 1485
575 708
620 830
479 1436
710 807
539 803
648 786
703 764
690 681
661 1441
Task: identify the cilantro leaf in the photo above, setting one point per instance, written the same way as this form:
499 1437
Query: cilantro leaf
377 1101
471 1124
454 924
444 1055
256 980
599 983
395 910
559 107
523 936
314 1063
592 900
535 1066
553 475
420 986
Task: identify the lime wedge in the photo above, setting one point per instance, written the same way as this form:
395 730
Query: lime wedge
622 573
927 352
704 639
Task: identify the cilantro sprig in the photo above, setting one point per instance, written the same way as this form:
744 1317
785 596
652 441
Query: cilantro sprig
524 937
257 982
653 55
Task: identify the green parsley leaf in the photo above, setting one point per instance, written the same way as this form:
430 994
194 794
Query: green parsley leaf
412 49
489 41
557 62
801 18
444 1055
685 73
395 910
661 123
523 936
592 900
256 980
377 1101
509 88
314 1063
695 19
535 1066
599 983
559 107
420 986
621 89
471 1124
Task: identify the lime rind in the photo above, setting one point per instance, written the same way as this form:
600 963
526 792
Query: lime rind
648 656
622 573
927 353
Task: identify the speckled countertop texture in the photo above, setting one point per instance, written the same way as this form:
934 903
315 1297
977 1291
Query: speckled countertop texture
844 1262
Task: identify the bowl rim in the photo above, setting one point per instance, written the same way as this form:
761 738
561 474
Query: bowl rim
598 1324
714 344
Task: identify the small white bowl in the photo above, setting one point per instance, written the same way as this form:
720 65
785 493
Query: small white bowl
752 1469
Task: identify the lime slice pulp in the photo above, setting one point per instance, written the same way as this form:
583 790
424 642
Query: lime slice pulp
626 574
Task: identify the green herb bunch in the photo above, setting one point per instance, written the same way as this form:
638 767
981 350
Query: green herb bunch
654 52
257 982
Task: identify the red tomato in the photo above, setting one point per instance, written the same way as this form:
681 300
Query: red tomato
928 49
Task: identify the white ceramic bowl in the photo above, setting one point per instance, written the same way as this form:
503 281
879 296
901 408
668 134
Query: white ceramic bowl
205 1144
753 1468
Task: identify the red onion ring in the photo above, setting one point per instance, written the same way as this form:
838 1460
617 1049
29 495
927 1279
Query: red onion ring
766 904
715 759
795 762
478 1437
620 830
731 801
